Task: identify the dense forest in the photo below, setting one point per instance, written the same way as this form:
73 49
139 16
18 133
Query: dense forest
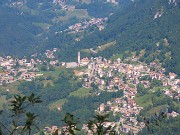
14 34
31 27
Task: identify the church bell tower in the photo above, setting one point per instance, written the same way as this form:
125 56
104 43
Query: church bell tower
79 57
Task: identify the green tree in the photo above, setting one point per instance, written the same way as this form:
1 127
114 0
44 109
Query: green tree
23 120
71 125
96 125
154 122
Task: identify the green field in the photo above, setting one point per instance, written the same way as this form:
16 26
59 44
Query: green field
42 25
47 82
82 92
54 74
100 48
158 88
156 109
79 13
1 70
31 11
86 50
58 103
105 46
80 68
58 70
13 88
116 56
86 1
145 100
9 89
2 101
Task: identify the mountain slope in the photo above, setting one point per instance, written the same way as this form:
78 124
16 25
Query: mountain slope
14 34
28 24
143 25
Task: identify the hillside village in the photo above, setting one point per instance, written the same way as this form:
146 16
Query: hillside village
112 76
17 69
98 22
77 27
104 76
14 69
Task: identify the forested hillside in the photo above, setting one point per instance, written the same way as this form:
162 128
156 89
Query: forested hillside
14 34
138 27
151 25
33 25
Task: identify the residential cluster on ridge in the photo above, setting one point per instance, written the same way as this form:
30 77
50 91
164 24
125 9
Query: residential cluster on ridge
98 22
103 75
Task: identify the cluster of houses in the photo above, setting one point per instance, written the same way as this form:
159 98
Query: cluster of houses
59 1
98 22
174 92
7 64
171 84
67 7
82 62
113 76
13 69
107 75
50 57
116 75
17 3
158 14
128 109
173 2
51 130
50 54
110 76
17 69
113 1
62 4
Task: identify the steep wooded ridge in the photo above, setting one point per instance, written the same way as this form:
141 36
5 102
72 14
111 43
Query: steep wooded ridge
27 25
17 32
14 34
152 25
